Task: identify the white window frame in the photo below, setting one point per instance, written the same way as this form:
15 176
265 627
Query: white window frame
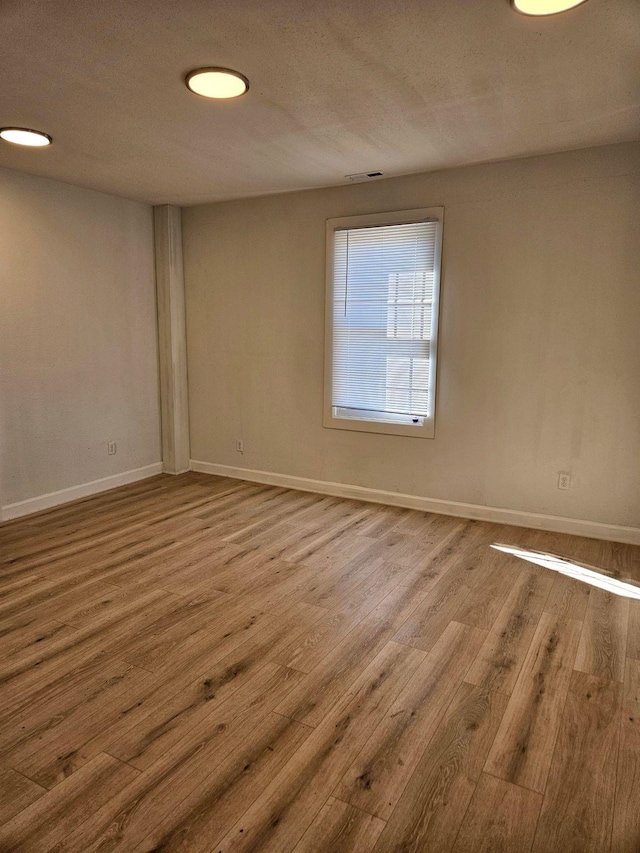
399 217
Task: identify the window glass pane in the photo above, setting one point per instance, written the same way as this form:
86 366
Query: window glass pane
383 318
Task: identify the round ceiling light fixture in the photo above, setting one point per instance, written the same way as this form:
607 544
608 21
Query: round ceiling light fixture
538 8
217 83
25 136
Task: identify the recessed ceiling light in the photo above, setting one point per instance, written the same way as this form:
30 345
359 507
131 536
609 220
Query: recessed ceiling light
217 83
24 136
544 7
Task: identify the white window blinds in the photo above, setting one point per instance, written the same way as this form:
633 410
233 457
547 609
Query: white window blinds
384 316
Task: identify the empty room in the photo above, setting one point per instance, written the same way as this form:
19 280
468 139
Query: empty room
320 426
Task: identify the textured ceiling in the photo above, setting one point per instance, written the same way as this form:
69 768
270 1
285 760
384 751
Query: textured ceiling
336 88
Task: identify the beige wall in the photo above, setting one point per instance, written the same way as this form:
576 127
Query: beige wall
78 346
539 364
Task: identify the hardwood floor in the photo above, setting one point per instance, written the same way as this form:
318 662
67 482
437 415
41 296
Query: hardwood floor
199 664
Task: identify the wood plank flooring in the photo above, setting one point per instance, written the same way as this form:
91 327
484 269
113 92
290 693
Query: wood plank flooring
195 663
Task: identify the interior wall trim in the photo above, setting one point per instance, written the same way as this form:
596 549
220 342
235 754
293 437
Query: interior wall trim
63 496
172 338
555 523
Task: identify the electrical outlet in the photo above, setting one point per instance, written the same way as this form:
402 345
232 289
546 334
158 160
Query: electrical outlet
564 480
111 448
240 445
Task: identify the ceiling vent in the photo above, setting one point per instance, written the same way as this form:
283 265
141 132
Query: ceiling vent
364 176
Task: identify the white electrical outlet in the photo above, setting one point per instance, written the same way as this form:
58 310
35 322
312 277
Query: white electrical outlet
240 445
111 448
564 480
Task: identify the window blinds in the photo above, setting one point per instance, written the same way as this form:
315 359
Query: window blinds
383 322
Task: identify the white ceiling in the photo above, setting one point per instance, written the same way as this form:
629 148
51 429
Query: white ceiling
337 86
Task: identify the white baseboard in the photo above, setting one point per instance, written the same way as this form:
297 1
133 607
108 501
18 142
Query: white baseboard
555 523
82 491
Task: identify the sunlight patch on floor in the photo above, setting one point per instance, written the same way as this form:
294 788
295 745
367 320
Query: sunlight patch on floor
598 578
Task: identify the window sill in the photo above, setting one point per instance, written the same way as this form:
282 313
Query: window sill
425 430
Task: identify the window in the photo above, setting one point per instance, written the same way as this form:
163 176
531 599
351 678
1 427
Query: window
383 281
